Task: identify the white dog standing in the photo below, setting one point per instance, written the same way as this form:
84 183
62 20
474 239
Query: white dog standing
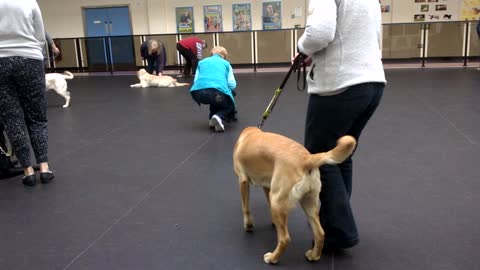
58 82
149 80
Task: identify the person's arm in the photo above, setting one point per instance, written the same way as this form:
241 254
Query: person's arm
38 25
143 48
320 27
164 55
199 46
159 65
231 82
50 42
48 38
478 28
56 50
161 61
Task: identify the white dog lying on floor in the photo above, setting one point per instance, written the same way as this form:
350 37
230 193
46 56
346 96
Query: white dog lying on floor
149 80
57 82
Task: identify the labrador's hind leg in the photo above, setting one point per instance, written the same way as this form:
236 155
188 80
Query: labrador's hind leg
279 210
244 186
311 206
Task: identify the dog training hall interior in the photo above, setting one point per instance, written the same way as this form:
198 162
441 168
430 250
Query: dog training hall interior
142 181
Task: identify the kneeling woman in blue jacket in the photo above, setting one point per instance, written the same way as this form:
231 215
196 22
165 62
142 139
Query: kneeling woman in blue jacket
214 85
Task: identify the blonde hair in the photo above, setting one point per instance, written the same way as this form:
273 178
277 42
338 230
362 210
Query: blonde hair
219 50
154 47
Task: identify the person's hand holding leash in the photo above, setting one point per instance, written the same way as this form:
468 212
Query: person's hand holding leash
306 61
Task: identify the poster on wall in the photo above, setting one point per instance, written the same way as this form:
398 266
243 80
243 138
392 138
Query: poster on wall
419 17
212 18
386 8
272 15
470 10
184 17
440 7
242 17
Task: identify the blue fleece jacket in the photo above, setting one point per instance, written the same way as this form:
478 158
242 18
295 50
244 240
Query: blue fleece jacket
215 72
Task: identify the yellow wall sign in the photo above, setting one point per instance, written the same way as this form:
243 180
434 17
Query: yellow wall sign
470 10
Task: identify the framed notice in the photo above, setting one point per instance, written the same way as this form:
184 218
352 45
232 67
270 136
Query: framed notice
242 17
419 17
272 15
440 7
212 18
184 17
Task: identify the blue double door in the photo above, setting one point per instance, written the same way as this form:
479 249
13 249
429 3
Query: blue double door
109 43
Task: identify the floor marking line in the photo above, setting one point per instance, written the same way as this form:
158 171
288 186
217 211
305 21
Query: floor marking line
131 209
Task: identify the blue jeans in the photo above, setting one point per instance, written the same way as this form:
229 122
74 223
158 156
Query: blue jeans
220 104
329 118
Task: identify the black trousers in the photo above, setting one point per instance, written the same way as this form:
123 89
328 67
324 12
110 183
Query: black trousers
190 59
220 103
151 65
23 107
329 118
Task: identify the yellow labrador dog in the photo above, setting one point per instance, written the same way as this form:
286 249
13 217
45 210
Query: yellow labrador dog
149 80
288 174
58 83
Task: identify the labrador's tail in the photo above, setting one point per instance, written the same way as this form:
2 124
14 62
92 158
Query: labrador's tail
345 147
68 75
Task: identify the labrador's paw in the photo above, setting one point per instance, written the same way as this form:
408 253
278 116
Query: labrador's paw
269 258
248 227
311 256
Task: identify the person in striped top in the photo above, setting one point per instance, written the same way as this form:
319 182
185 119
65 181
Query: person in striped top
192 50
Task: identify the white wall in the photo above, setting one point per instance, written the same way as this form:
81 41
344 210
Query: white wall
64 18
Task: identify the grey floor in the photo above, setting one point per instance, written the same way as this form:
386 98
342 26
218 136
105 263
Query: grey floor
142 183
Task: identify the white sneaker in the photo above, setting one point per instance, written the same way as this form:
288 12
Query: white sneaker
217 122
210 123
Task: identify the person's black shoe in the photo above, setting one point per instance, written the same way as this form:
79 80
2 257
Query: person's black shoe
329 248
46 177
30 180
231 119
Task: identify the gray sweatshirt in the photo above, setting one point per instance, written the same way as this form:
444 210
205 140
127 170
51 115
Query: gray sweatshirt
21 29
344 38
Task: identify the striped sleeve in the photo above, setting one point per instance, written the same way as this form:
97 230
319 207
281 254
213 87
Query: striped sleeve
199 46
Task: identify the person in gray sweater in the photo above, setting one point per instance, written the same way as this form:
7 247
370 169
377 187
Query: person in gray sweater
23 106
346 80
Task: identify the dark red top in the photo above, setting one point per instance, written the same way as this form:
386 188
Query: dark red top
190 43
